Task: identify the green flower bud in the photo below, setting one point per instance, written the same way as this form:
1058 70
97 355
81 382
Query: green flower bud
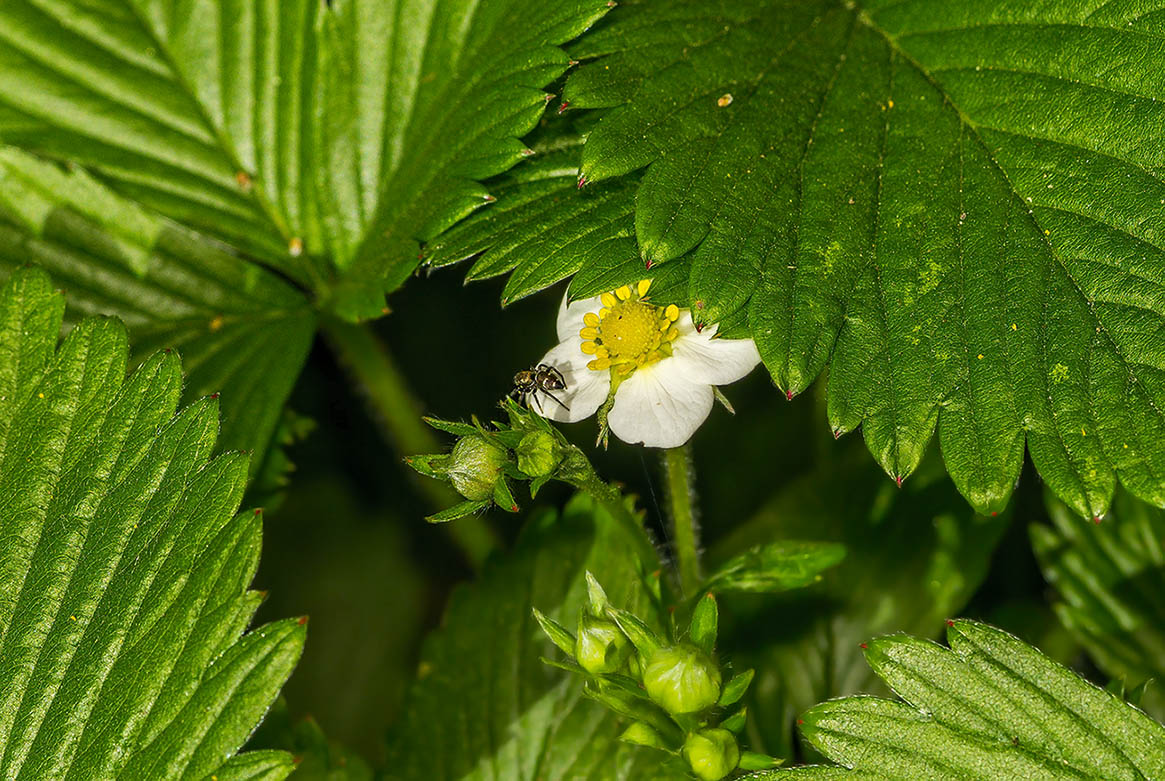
640 734
538 454
711 753
475 466
601 647
682 679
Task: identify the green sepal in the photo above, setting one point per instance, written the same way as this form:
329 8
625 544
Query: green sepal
435 465
640 634
454 427
735 723
752 760
504 497
735 688
558 634
703 627
537 483
641 734
563 664
637 709
458 511
596 596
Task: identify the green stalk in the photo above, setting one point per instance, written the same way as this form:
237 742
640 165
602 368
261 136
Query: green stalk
397 414
678 479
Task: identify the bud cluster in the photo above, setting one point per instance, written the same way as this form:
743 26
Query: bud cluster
667 683
486 457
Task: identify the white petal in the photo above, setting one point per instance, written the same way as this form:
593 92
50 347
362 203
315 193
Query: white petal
714 361
585 391
570 318
659 406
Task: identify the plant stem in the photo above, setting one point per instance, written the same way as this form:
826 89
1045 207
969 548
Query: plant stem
397 414
678 478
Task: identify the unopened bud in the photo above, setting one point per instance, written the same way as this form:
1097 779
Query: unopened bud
682 679
601 646
538 454
475 466
711 753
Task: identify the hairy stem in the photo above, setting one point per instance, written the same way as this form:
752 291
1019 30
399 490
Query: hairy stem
397 414
678 479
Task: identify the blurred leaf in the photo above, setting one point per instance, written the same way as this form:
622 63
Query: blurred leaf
125 572
242 330
272 477
316 757
777 566
484 705
915 555
1111 578
989 707
947 202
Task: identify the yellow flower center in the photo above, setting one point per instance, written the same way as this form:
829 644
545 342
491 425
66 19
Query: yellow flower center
628 332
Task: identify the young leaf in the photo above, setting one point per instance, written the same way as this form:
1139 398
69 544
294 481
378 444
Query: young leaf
991 706
1111 578
484 705
946 202
241 330
777 566
124 566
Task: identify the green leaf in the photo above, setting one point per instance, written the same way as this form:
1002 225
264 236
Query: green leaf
322 139
202 111
947 203
125 567
990 706
915 555
1111 578
484 705
543 228
242 331
419 102
776 566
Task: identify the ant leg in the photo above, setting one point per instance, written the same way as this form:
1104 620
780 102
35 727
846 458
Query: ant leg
534 396
558 401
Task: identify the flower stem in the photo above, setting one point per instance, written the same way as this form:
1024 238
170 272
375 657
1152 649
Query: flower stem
397 414
678 474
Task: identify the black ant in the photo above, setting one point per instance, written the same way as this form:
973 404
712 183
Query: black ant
544 378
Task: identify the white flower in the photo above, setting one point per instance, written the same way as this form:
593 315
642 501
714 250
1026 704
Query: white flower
661 369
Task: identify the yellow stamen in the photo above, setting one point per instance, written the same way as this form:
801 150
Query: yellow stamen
628 332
